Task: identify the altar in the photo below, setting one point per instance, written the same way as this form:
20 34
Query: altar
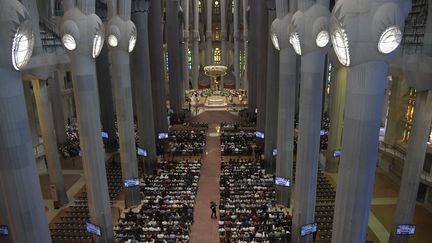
216 101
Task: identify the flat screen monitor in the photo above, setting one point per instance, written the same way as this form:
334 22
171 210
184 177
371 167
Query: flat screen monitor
162 135
336 153
274 152
308 229
322 132
282 181
259 134
405 229
142 152
93 229
132 182
4 230
105 135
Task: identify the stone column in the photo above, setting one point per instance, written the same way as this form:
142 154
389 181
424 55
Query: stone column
209 32
271 108
30 106
43 103
141 76
157 65
174 55
417 145
251 59
336 118
236 44
106 99
358 161
19 183
287 99
367 75
4 220
196 39
308 145
397 110
57 107
121 81
185 5
413 166
245 5
224 60
261 31
87 107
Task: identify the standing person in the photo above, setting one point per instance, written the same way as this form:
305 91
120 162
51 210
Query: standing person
213 209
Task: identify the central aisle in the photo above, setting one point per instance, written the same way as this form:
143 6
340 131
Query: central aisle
204 228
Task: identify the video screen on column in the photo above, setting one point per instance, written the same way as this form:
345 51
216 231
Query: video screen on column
142 152
336 153
131 182
405 229
162 135
259 134
274 152
4 230
282 181
105 135
308 229
93 229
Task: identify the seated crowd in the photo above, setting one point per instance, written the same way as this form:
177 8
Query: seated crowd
247 205
72 225
166 211
187 142
237 142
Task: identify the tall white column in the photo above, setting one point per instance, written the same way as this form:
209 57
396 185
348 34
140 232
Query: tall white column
367 74
185 5
245 40
141 76
236 44
196 39
43 103
19 183
121 28
313 58
87 107
336 117
209 32
157 65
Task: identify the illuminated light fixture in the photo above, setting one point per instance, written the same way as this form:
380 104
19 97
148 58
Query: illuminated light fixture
390 40
216 3
97 45
112 41
322 39
275 41
22 46
294 40
132 42
339 40
69 42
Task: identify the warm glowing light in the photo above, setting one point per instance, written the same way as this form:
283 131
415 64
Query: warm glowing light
322 39
390 40
69 42
340 45
294 40
22 46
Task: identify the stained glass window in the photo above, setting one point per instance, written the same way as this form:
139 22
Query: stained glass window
216 55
